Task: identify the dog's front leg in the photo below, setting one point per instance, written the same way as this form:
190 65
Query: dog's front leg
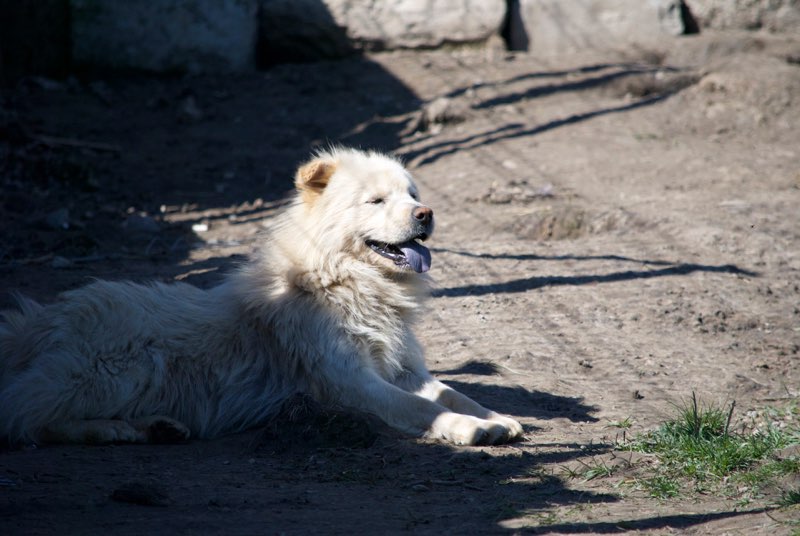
336 371
422 383
365 390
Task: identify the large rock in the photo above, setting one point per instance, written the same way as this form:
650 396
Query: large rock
313 29
165 35
772 15
558 26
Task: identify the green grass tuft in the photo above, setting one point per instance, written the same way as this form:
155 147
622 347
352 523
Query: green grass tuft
790 497
624 424
660 487
700 444
594 468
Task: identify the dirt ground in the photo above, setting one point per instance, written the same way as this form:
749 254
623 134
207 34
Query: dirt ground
614 231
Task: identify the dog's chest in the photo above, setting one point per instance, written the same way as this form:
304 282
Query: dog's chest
378 326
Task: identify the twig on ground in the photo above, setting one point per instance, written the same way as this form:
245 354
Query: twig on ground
53 141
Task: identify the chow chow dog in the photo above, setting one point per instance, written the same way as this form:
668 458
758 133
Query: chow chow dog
325 308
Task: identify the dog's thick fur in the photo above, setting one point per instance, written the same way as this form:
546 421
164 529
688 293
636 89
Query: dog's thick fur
317 310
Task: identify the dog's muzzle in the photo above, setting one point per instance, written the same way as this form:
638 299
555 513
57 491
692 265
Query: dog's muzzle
410 254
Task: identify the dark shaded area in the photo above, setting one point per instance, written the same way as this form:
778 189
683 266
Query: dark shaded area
34 38
690 24
476 367
270 478
531 283
91 165
301 418
513 31
141 493
90 168
524 403
316 37
517 400
252 480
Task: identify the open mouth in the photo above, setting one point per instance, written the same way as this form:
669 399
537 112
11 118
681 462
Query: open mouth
410 254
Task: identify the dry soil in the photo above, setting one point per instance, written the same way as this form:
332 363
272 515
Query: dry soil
615 231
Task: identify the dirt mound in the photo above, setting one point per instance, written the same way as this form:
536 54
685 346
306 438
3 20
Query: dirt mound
568 222
742 90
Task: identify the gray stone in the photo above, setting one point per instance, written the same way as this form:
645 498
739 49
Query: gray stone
439 112
314 29
771 15
556 26
165 35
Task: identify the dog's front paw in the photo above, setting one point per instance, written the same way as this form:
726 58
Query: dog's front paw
514 428
467 430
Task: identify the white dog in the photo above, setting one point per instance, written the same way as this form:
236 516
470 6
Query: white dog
324 308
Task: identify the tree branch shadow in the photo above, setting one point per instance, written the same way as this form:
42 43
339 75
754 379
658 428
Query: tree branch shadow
535 257
675 522
436 151
626 67
576 85
530 283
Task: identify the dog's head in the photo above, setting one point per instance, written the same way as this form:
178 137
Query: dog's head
367 205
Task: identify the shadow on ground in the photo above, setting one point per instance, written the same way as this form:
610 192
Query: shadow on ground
668 269
331 470
674 522
645 84
94 166
525 403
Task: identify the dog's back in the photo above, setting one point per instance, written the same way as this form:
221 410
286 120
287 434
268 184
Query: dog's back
121 350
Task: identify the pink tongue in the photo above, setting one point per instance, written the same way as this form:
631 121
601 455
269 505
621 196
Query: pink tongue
418 256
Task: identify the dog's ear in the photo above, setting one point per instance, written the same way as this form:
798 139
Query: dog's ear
313 177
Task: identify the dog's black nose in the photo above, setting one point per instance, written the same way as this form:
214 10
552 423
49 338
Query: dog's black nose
424 215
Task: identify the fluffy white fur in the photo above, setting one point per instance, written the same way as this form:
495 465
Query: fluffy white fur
316 311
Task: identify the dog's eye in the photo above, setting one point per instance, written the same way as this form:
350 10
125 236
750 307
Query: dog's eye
375 201
414 196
